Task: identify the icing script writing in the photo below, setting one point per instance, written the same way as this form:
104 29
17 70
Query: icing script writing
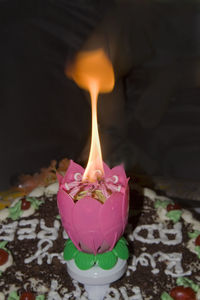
155 234
172 261
165 235
27 230
117 294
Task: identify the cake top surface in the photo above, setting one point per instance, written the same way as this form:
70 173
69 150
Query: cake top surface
162 243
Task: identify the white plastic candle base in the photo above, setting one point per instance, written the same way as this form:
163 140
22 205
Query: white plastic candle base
96 280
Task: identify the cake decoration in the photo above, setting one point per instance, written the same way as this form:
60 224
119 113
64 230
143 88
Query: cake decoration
6 259
194 243
24 296
186 289
25 206
168 209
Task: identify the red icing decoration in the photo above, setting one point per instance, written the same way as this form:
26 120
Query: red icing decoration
173 207
25 204
182 293
3 257
197 241
27 296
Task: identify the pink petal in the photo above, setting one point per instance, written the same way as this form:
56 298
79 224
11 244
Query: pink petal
65 206
86 215
86 223
72 170
125 205
91 242
74 236
120 173
112 238
111 217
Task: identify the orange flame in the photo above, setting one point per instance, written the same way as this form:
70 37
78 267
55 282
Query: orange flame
93 71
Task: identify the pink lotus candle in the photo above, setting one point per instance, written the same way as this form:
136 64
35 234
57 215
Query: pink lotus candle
93 203
97 220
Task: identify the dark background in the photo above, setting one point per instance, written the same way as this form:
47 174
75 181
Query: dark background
45 116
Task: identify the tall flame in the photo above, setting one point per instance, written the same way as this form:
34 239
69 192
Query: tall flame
93 71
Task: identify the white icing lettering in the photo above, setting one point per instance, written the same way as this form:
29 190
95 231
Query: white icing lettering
41 252
53 294
172 261
7 231
50 233
27 232
162 232
116 294
136 290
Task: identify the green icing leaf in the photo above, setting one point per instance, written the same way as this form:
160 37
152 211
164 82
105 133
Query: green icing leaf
194 234
121 250
70 250
162 203
166 296
35 203
84 261
15 211
197 249
106 260
13 296
58 217
40 297
187 283
3 244
174 215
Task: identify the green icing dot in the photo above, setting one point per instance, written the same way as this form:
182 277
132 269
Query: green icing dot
166 296
84 261
197 249
194 234
163 203
121 250
15 211
70 250
187 283
35 203
13 296
174 215
106 260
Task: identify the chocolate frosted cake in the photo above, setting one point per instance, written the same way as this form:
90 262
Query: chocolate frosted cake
164 251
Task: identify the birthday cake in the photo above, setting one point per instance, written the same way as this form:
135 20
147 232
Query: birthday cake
163 241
